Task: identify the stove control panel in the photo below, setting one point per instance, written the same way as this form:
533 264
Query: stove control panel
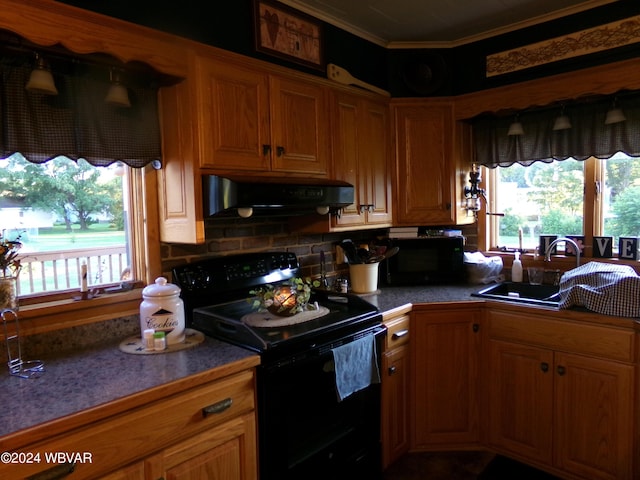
238 271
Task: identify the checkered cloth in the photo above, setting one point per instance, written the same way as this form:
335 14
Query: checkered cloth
603 288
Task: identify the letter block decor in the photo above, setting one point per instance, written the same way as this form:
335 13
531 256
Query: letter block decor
603 247
628 248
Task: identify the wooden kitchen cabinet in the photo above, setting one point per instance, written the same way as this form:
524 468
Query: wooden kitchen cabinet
445 358
253 120
225 452
361 156
561 395
205 428
432 163
395 390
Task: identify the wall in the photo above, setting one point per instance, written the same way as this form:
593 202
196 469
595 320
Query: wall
231 27
226 236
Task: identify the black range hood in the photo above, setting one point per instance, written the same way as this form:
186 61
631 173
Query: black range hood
246 196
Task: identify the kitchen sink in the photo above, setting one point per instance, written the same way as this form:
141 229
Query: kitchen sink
547 295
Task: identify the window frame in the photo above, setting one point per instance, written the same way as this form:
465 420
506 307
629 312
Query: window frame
48 312
593 206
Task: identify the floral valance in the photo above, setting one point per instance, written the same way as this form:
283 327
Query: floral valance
76 123
588 136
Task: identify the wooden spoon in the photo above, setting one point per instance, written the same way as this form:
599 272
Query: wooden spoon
340 75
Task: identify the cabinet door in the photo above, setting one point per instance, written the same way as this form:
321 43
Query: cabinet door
521 399
299 126
395 391
233 117
594 412
225 452
375 163
361 157
425 174
445 346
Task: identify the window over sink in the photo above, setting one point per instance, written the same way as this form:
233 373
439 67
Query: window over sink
550 199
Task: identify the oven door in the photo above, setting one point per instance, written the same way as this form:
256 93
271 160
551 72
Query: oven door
304 431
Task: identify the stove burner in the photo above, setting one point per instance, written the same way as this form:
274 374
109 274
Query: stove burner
270 320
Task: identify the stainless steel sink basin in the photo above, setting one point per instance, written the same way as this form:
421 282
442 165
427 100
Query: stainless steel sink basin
547 295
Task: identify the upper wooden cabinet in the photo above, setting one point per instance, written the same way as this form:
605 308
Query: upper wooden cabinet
361 156
432 163
251 120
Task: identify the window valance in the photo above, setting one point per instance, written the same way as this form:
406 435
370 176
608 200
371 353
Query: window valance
76 123
588 136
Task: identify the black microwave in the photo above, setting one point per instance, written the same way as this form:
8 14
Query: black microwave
424 261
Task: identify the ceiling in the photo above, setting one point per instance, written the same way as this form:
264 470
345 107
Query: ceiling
436 23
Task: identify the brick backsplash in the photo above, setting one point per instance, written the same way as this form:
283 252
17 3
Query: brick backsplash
229 236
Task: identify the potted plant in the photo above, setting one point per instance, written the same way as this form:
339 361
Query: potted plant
285 299
9 270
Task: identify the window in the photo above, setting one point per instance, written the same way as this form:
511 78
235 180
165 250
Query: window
66 214
569 197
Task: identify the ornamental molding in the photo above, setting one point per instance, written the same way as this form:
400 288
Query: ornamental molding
604 37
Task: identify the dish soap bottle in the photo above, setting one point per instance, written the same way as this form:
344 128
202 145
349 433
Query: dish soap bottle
516 269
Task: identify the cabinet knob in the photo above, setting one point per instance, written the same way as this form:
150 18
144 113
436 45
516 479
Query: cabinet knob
561 370
280 151
544 366
392 370
266 150
218 407
476 327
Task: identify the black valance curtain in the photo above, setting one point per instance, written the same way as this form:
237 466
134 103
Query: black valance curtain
76 123
587 137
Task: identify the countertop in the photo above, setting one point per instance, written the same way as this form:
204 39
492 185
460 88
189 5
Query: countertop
81 380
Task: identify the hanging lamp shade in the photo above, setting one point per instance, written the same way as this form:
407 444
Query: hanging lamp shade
614 115
41 79
117 93
515 128
562 122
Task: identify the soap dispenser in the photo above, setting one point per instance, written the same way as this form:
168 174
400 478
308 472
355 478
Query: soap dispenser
516 269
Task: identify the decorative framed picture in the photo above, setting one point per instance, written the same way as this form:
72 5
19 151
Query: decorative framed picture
289 34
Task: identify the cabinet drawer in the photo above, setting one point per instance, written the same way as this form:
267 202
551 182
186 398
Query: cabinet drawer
397 332
109 444
605 342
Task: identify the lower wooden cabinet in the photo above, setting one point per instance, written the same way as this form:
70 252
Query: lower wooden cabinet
226 452
205 431
561 395
445 353
395 390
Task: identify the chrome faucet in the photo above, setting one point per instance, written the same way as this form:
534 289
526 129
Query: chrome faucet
547 253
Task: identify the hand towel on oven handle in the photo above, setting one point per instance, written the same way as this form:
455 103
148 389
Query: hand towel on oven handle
356 366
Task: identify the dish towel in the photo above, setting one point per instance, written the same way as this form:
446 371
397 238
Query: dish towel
356 366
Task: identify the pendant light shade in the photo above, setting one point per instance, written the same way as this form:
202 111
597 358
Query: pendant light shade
515 128
117 93
615 114
562 121
41 79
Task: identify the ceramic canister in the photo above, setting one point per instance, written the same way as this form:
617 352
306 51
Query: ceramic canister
162 309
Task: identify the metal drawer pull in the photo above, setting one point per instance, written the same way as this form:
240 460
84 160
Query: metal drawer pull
59 471
218 407
399 334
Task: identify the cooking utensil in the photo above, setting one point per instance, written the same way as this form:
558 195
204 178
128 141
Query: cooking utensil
350 251
391 252
340 75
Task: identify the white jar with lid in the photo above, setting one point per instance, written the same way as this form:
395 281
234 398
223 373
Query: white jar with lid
162 310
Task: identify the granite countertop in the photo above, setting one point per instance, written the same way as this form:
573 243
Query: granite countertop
76 381
83 379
